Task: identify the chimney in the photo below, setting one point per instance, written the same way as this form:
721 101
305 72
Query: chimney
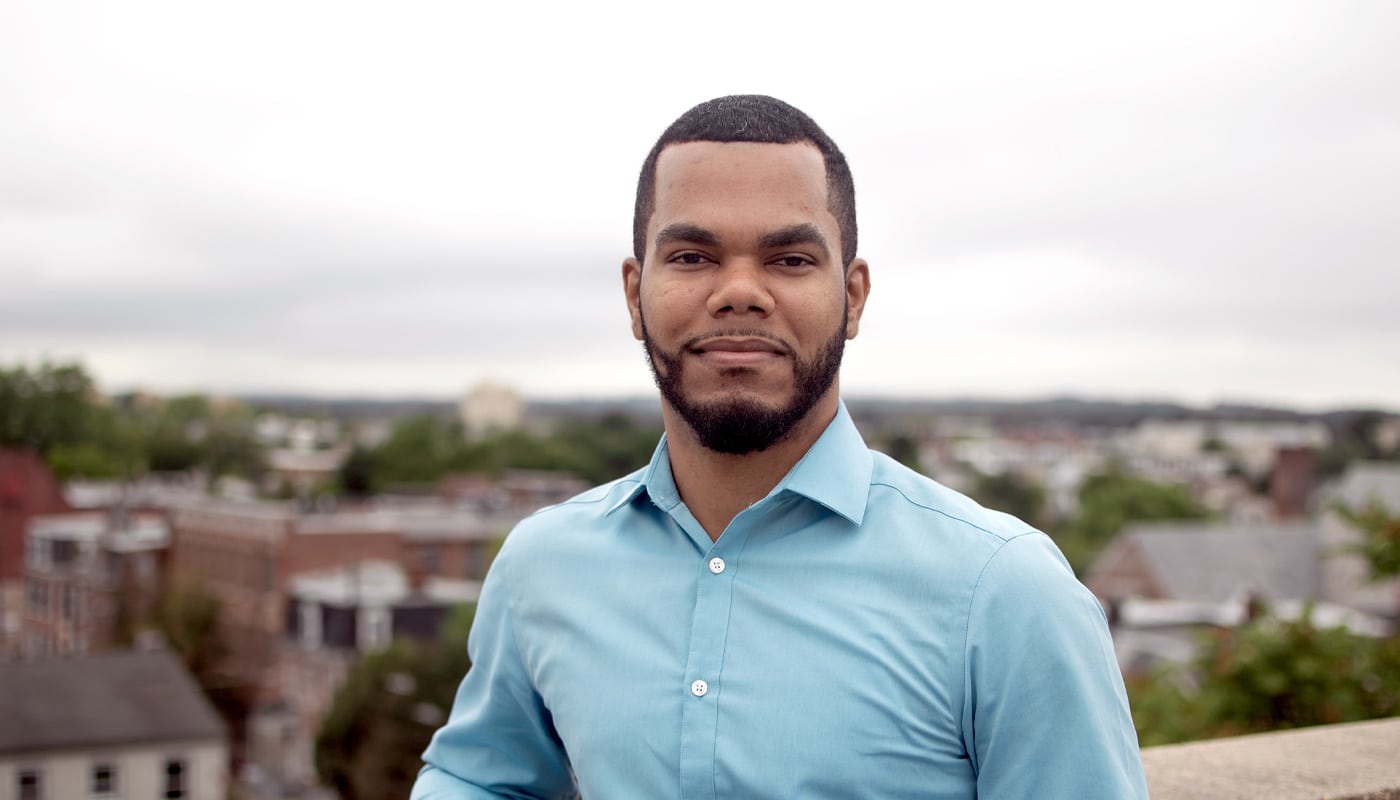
1291 484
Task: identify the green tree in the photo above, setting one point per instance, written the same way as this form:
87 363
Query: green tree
370 744
49 405
1109 501
188 617
419 450
55 410
1018 496
1380 537
356 475
905 449
1268 675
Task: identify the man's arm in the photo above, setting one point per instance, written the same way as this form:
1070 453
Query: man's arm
1045 713
499 741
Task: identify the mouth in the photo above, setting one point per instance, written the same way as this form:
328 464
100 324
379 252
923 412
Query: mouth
729 350
750 341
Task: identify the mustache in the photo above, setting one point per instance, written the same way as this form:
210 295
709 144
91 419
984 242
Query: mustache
738 333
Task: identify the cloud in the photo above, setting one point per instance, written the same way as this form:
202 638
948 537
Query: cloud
1188 199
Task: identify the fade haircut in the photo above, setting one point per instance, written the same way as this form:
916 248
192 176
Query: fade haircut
751 118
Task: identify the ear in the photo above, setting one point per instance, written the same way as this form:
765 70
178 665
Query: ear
857 290
632 287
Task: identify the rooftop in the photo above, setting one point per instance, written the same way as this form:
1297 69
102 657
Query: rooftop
102 700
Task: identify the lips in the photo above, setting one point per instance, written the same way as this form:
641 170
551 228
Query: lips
727 343
738 351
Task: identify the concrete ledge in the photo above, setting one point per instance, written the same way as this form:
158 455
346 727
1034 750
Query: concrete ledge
1356 761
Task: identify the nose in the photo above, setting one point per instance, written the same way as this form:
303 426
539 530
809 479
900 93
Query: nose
740 289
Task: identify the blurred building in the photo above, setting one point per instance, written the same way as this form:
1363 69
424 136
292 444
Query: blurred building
90 579
334 617
1162 582
491 407
248 555
27 488
114 725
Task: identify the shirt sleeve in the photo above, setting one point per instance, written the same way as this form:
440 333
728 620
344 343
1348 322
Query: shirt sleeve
1045 712
499 741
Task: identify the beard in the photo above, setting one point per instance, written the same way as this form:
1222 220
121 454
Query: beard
739 425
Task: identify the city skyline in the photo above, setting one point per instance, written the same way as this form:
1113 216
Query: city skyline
1193 204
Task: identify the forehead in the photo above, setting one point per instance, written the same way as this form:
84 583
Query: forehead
740 180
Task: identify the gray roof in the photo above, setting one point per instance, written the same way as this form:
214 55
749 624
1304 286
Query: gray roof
1365 482
1213 562
102 700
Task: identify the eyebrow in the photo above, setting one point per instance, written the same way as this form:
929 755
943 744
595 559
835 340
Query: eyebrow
686 232
803 233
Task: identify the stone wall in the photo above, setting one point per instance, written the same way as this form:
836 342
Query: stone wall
1356 761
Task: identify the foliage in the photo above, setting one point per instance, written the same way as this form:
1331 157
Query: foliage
421 449
46 406
188 616
380 721
356 475
424 448
53 410
905 449
1380 538
56 411
1268 675
1109 501
1014 494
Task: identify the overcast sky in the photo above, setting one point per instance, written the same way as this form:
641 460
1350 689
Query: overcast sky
1192 201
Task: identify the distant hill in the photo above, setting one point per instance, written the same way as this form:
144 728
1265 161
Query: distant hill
1072 410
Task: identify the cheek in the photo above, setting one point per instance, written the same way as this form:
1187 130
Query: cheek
670 307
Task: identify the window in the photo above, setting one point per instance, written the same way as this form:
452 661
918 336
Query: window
175 779
30 785
63 552
104 780
68 602
38 596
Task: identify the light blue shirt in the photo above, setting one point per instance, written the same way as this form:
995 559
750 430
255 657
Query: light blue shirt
860 632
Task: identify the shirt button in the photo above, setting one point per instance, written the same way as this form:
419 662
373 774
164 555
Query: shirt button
716 565
699 688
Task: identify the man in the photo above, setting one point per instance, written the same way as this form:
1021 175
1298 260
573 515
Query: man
769 609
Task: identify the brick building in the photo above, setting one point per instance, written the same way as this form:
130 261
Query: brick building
91 578
27 488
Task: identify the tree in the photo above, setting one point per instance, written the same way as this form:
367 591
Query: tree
1380 538
419 450
47 406
1011 493
356 475
1273 673
371 742
188 617
1268 675
905 449
1109 501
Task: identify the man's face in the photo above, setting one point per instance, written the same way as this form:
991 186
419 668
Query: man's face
743 303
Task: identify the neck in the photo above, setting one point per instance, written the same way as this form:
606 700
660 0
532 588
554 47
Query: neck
717 486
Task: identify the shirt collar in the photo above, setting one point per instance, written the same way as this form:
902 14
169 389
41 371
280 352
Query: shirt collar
835 473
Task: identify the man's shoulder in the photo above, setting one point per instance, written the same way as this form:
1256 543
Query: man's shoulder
897 489
585 508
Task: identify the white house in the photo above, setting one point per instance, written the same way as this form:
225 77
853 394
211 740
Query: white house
113 725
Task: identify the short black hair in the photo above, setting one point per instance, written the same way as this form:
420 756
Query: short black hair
751 118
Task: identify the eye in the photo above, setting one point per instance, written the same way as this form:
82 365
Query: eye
689 258
793 261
